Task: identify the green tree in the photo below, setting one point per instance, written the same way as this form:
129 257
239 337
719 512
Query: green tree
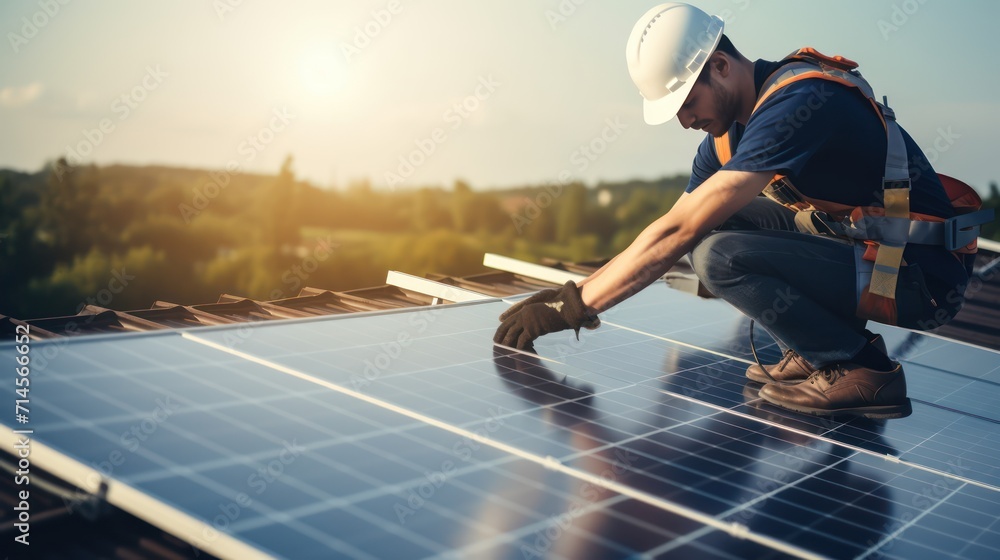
572 205
67 216
461 202
278 225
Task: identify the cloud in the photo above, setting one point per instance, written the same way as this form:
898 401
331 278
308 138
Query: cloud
12 96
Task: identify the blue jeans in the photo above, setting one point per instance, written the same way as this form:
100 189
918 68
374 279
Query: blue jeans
801 287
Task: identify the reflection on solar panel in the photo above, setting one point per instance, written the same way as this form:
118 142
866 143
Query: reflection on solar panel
408 434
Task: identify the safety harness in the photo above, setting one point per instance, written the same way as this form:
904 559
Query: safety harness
879 233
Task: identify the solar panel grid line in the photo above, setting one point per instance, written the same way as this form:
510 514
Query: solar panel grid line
547 523
382 489
699 545
349 503
897 532
892 483
735 529
606 443
961 530
982 365
224 490
347 500
797 457
956 447
193 533
685 344
995 529
934 335
693 489
952 409
480 546
195 408
939 542
622 390
956 384
836 442
648 417
380 486
749 501
343 501
681 541
973 481
610 351
612 445
394 383
541 488
495 412
570 498
640 331
845 519
312 489
239 399
221 462
618 443
894 476
131 500
931 437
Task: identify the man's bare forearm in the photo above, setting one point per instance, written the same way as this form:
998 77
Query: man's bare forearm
596 273
670 237
648 257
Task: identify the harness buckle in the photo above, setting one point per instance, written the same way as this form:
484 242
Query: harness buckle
896 183
964 229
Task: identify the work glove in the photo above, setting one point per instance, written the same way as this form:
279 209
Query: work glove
543 296
563 310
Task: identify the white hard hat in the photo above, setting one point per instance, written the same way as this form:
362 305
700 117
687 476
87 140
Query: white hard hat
666 52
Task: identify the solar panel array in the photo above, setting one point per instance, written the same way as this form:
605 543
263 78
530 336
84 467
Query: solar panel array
409 434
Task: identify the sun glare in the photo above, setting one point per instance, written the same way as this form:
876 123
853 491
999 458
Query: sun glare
322 71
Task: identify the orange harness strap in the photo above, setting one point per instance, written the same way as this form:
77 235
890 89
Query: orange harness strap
886 230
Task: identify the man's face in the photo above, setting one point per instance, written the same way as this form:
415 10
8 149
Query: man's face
709 107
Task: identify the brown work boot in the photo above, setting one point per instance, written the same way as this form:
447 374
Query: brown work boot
793 368
845 389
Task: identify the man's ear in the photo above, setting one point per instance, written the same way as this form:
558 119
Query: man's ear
720 63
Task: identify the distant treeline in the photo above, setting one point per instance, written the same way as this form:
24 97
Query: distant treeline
123 237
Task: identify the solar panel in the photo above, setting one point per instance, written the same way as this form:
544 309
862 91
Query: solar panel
408 434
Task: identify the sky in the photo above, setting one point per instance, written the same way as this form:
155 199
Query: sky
407 93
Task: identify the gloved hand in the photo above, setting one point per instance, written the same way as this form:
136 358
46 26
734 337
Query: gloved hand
565 310
543 296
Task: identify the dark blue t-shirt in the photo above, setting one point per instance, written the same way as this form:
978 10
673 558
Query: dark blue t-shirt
828 140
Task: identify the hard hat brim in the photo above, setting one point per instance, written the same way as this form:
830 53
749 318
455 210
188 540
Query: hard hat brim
664 109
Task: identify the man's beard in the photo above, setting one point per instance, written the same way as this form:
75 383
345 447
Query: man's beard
725 108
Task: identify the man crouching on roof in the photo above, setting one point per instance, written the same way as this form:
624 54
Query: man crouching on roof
850 228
